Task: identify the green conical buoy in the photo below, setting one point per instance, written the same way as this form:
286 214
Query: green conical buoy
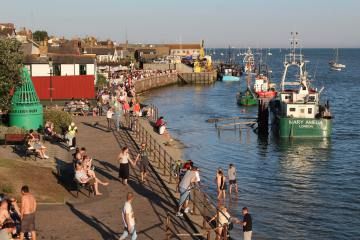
26 110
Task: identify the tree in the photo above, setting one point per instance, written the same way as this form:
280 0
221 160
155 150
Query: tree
101 81
10 66
40 36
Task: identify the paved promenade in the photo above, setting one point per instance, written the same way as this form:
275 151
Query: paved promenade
99 217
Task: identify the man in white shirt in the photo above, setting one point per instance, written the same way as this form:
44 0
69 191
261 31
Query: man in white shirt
232 178
128 219
190 178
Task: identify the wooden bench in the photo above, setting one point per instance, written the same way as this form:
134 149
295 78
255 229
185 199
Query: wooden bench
20 145
17 138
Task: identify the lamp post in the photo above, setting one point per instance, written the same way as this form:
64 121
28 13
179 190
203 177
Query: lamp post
51 73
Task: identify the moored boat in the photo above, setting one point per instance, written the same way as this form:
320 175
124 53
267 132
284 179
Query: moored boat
334 64
249 62
246 98
297 112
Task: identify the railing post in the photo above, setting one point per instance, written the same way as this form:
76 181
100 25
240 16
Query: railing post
168 227
194 200
165 162
159 162
170 167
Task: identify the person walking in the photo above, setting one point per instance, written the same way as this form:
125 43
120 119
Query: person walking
191 177
128 218
109 115
27 213
246 223
124 159
117 114
144 161
232 178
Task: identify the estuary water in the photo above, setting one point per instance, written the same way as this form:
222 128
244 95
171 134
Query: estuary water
295 189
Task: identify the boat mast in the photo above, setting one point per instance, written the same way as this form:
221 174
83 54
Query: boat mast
293 59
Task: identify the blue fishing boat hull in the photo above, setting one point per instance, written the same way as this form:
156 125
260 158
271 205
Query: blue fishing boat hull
230 78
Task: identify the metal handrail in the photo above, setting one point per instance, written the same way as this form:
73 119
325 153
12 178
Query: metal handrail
201 204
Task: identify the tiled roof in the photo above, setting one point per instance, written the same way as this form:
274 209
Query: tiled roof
60 59
184 46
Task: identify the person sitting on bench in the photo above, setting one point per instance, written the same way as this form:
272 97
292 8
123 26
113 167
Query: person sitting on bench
34 143
88 177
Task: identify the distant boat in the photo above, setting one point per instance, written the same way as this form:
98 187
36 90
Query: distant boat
249 62
334 64
269 53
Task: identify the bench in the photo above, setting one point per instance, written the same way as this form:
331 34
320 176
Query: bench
20 145
18 138
86 186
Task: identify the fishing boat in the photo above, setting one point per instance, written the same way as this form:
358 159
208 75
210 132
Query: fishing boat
334 64
296 111
263 88
247 97
230 72
249 62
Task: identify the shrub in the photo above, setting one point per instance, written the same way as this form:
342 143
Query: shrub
5 129
60 119
6 188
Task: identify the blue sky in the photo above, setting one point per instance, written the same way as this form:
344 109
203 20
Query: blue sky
239 23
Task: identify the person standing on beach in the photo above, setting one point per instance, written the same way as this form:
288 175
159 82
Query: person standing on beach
27 213
191 177
128 219
124 159
144 161
232 178
246 223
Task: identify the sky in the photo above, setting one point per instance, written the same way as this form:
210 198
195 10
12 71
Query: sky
238 23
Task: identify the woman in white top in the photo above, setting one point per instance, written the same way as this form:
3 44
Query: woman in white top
124 159
223 219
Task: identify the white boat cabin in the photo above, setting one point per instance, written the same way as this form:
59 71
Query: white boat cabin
300 104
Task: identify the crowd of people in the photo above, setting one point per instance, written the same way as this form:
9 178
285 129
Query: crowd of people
18 221
189 178
132 76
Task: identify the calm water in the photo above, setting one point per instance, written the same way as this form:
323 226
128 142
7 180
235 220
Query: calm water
303 189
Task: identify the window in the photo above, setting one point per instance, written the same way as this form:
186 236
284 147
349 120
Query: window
302 110
56 70
82 69
309 110
287 97
292 109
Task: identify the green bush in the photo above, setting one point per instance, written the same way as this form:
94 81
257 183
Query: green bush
60 119
5 129
5 188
